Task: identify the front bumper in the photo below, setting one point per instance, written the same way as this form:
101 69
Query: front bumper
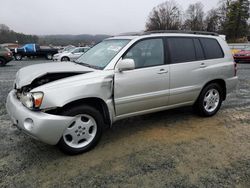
41 126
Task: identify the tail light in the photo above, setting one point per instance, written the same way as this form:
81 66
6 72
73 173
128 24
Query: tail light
235 68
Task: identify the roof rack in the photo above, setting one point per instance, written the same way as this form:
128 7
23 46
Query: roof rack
169 31
130 34
182 31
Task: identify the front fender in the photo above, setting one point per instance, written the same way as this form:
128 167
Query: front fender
60 96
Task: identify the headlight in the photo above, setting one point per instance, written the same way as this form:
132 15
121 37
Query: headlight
32 100
247 54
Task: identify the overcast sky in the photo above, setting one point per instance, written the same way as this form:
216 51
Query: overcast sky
81 16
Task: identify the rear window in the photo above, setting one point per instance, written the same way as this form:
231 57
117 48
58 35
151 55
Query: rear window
211 48
181 49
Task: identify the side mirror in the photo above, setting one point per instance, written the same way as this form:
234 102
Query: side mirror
126 64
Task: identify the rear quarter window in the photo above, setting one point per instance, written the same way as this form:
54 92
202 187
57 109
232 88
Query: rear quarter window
212 48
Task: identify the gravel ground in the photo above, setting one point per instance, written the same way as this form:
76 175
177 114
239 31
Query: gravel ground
167 149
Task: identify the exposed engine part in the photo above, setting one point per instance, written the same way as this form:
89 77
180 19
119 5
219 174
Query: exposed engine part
50 77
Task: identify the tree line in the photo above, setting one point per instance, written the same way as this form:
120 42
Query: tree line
230 18
9 36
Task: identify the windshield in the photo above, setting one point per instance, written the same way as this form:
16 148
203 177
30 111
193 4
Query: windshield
101 54
72 50
247 48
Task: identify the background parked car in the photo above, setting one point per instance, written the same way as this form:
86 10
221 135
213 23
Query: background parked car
71 55
66 48
243 55
34 50
5 55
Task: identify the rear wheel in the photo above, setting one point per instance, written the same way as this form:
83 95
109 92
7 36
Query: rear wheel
49 56
2 62
84 132
18 57
65 59
209 101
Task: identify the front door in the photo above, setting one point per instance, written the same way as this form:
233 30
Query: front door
147 86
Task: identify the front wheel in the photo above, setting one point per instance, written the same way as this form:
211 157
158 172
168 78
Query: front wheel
209 101
2 62
65 59
84 132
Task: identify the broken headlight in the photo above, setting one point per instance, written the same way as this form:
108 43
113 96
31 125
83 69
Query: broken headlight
32 100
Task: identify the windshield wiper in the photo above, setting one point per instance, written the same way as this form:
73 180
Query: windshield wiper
88 65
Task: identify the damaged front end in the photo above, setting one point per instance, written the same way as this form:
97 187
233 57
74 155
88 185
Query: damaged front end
33 100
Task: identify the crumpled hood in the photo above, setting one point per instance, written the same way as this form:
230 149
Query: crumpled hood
27 74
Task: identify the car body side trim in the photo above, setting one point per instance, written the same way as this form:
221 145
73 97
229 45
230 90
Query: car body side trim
142 97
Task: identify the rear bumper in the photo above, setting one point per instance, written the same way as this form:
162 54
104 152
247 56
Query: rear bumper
41 126
231 84
55 58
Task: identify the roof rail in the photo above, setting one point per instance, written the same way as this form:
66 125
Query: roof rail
130 34
181 31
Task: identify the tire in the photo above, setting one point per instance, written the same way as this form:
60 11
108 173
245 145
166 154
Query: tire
209 101
18 57
80 136
2 62
49 56
65 58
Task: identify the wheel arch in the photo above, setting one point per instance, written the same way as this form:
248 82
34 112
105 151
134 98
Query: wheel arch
65 57
220 82
95 102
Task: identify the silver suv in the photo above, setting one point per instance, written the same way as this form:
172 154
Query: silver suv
70 104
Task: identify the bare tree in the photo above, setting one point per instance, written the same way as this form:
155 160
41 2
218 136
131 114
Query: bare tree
166 16
195 17
212 21
4 27
222 13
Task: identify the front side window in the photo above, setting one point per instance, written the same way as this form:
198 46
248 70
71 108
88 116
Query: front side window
181 49
82 49
101 54
76 50
147 53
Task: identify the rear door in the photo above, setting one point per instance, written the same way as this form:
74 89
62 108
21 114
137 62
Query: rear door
147 86
187 68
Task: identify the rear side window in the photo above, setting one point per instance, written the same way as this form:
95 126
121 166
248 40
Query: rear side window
181 49
198 50
211 48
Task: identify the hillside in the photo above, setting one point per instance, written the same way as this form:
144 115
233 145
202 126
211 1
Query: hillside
71 39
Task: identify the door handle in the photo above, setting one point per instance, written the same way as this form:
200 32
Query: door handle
203 65
162 71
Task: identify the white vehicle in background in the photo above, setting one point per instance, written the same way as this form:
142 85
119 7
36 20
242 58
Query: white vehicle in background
67 48
71 55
